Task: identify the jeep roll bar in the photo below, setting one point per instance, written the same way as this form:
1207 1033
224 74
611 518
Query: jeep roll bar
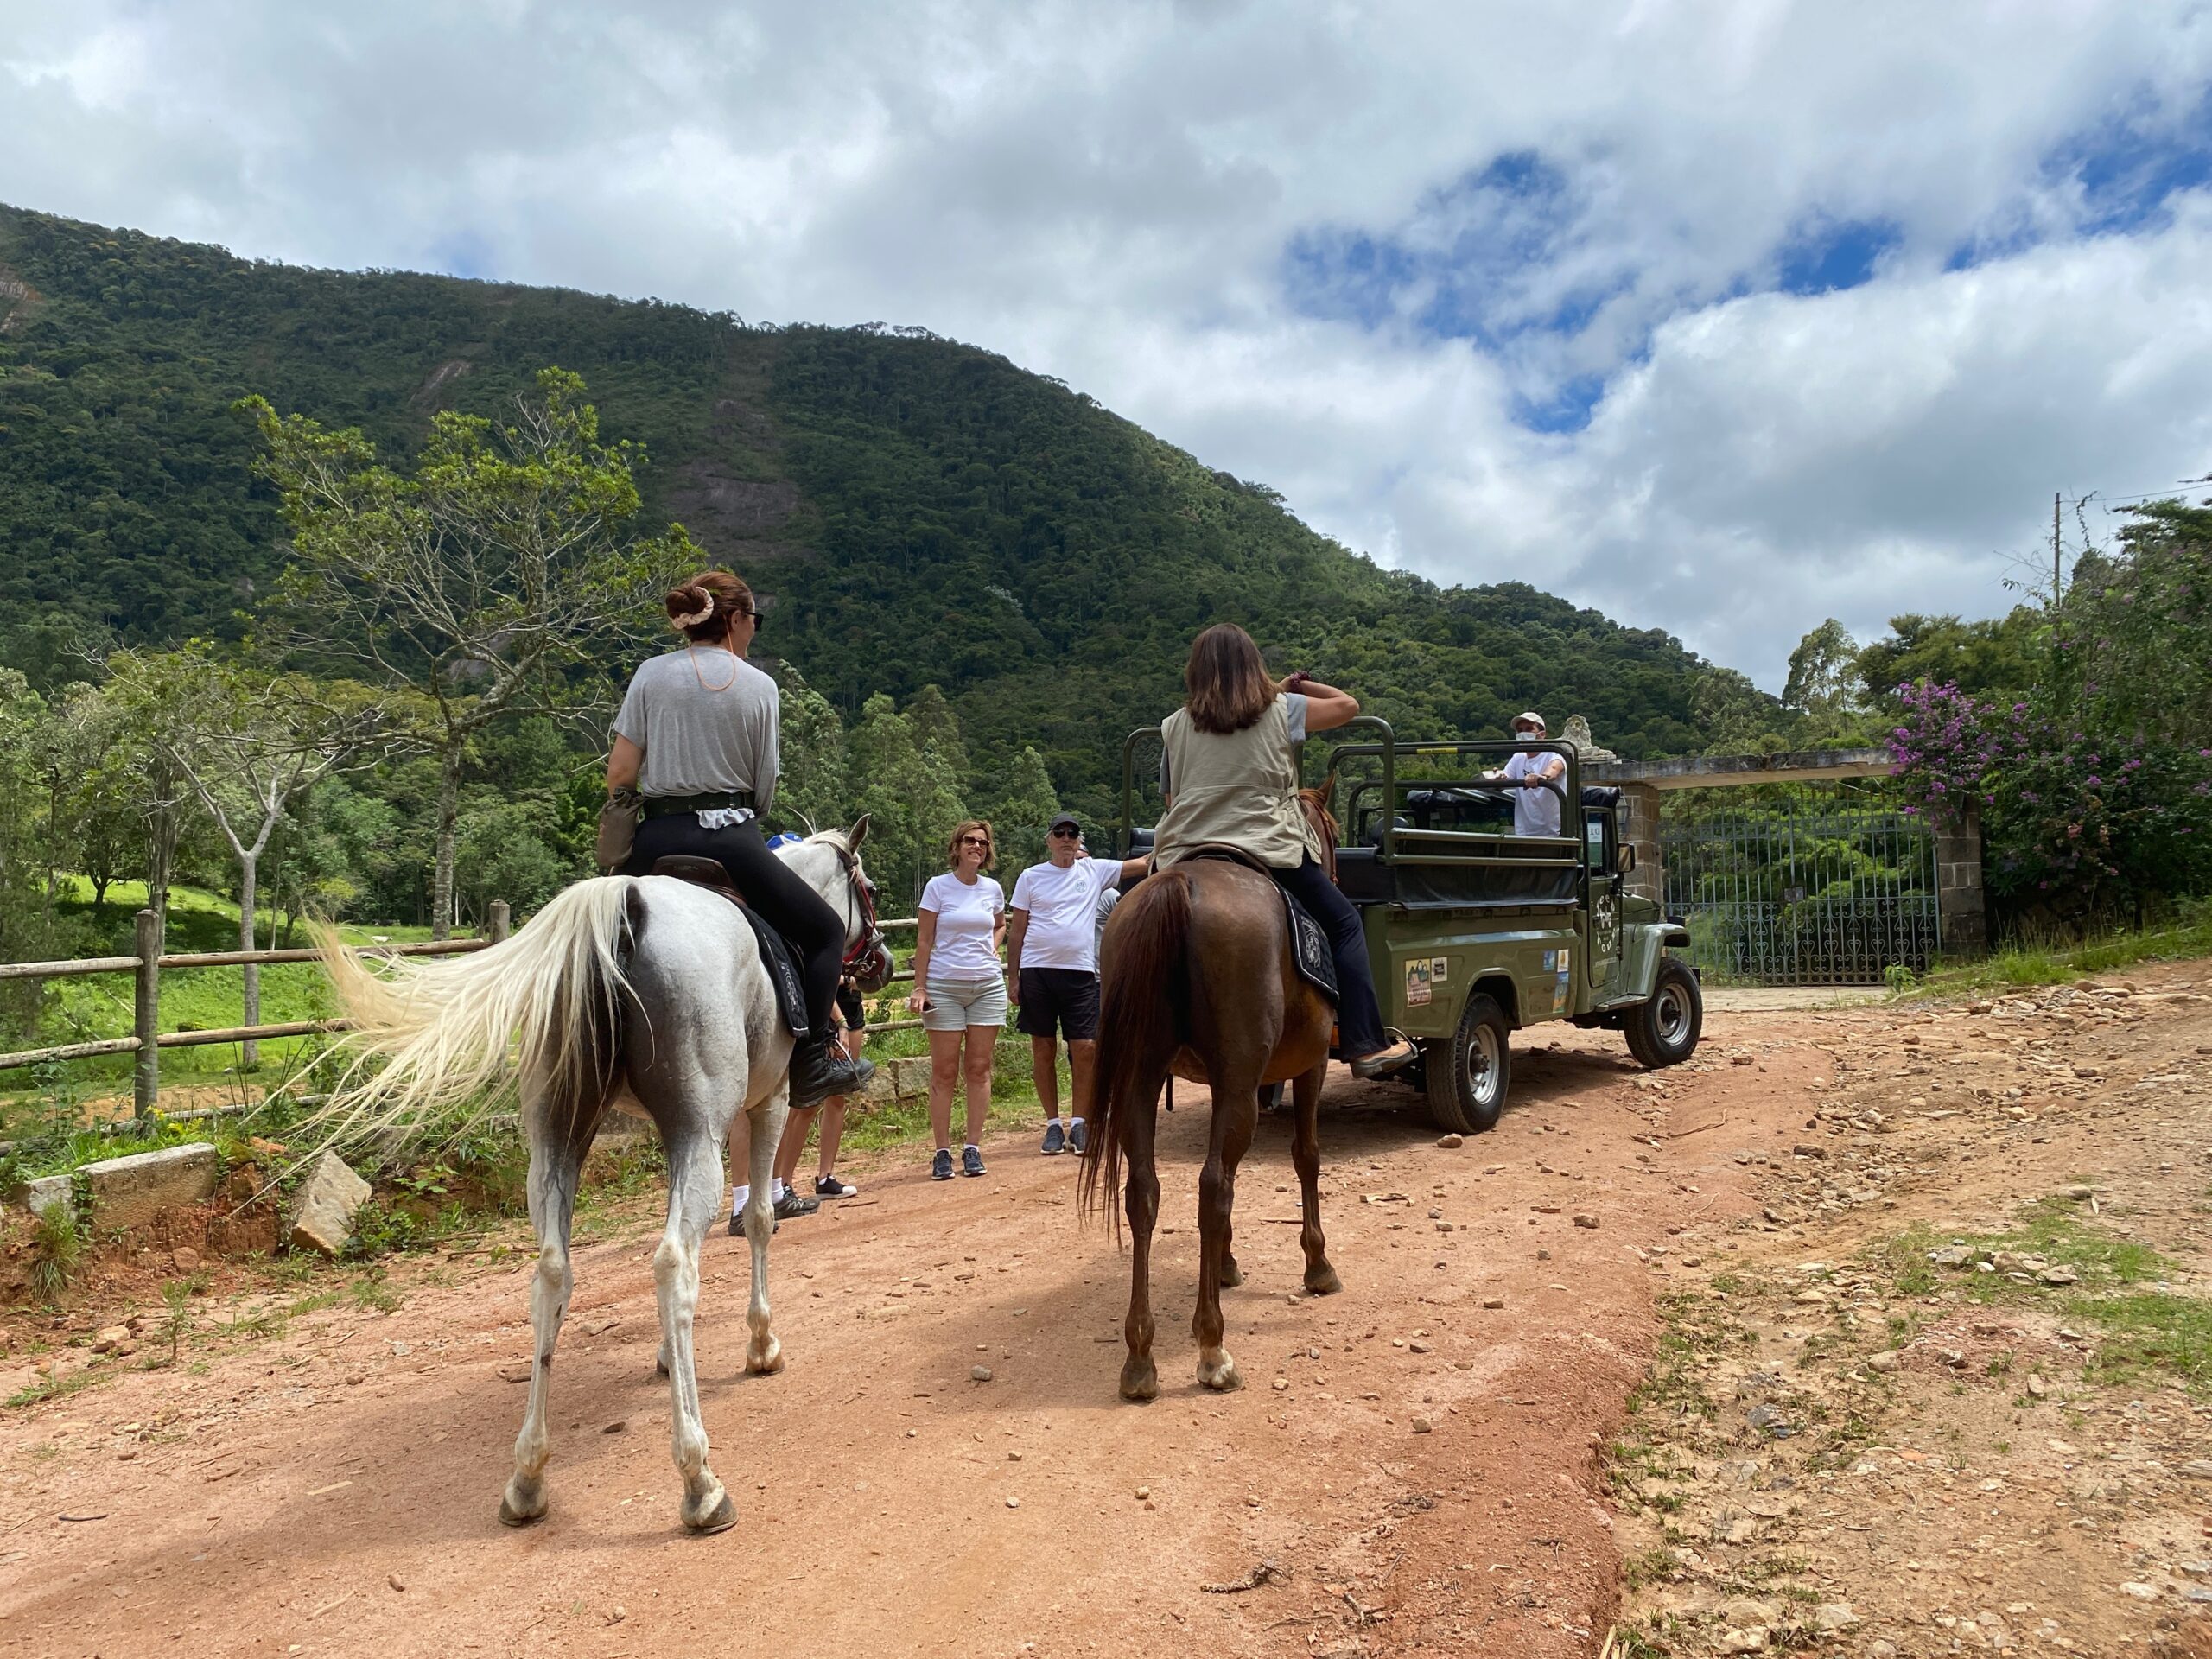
1385 748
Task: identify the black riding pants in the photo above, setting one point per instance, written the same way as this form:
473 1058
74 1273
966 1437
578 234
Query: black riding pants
791 907
1359 1020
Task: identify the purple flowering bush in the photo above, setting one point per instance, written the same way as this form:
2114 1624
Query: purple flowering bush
2079 823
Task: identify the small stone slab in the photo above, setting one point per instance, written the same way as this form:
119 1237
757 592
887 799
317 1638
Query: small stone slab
322 1213
130 1191
52 1192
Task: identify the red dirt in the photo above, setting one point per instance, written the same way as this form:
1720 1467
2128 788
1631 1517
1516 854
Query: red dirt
332 1488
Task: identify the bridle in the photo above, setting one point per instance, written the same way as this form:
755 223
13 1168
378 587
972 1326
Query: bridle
867 959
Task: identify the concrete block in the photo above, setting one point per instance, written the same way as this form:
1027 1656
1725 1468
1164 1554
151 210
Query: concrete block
322 1211
130 1191
51 1192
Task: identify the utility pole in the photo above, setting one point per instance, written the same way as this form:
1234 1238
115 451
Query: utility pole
2055 496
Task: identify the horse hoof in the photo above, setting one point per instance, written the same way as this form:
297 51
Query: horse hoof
759 1363
1321 1279
1223 1378
719 1516
660 1363
520 1505
1140 1381
1231 1275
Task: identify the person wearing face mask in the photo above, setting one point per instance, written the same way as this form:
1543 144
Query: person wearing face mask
1536 805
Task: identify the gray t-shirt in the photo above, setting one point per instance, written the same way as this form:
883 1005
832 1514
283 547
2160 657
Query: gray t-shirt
699 735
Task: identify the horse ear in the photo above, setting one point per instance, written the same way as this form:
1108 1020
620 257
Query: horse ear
856 835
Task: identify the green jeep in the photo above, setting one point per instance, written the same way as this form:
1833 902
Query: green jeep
1474 932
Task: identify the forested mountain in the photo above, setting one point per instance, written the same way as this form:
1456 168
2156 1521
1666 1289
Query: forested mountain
917 510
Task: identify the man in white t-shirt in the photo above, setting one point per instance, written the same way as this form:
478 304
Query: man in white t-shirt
1052 961
1536 804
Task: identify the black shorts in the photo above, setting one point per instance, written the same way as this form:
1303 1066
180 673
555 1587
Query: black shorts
849 1004
1068 996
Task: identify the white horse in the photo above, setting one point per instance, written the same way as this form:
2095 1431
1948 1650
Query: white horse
639 980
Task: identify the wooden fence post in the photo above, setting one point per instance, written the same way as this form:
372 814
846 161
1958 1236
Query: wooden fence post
146 1016
498 921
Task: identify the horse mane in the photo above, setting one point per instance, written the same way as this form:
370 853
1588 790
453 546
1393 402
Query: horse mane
1314 803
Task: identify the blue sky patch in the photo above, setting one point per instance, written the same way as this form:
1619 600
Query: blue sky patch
2128 167
1824 255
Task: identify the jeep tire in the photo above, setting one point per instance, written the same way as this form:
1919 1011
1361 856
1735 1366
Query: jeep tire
1466 1074
1663 1029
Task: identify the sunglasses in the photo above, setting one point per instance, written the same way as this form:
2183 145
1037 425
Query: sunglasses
1066 835
975 841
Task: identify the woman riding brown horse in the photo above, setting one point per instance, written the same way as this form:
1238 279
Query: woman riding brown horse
1198 977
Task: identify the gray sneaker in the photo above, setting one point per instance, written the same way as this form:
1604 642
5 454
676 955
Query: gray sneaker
1055 1138
971 1161
941 1166
795 1202
1079 1136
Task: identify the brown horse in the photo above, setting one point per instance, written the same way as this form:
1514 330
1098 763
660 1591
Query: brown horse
1198 979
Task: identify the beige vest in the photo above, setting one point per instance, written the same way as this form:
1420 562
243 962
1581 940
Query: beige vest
1238 787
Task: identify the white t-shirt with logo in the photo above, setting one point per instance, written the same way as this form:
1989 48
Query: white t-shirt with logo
967 913
1535 811
1062 907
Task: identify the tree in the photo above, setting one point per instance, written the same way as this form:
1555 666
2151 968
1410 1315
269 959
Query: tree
1999 657
813 789
912 797
1821 685
248 747
499 578
1021 815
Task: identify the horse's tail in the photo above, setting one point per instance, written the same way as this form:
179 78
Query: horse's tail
443 1027
1144 996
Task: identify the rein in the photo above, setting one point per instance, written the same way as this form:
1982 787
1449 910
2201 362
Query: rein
867 960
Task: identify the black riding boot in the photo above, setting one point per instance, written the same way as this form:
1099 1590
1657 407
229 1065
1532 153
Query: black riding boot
820 1070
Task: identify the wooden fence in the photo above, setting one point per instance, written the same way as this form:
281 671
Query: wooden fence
148 964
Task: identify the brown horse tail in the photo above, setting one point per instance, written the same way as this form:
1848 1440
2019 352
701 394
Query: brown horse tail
1144 995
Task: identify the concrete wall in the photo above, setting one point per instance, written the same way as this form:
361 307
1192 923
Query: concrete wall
1640 829
1962 920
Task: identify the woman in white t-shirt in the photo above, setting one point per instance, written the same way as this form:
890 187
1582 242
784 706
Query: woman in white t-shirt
960 989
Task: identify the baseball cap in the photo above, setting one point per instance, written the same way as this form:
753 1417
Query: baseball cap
1067 818
1530 717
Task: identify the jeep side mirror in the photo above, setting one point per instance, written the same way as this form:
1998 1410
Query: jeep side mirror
1625 860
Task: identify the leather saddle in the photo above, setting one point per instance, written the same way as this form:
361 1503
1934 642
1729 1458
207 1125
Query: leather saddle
1309 945
776 953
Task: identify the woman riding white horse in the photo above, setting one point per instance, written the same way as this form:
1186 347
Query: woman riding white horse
643 983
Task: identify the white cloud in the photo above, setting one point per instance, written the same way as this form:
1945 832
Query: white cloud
1112 194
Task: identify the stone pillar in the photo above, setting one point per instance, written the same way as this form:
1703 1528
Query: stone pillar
1640 829
1961 919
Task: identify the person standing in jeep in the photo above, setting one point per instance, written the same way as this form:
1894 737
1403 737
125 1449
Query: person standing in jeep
1052 965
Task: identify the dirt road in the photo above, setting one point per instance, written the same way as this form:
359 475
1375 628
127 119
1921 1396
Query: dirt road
1418 1464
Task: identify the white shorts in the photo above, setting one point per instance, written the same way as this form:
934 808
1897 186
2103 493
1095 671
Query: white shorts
957 1004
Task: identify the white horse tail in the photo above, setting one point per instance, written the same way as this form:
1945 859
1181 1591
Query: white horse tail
444 1026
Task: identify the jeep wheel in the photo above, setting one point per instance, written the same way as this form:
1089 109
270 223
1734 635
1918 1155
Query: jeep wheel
1663 1029
1466 1073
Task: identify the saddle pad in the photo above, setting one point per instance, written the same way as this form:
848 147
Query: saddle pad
782 972
1309 945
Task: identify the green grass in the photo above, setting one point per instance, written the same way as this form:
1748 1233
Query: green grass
2034 963
99 1005
2145 1331
2154 1331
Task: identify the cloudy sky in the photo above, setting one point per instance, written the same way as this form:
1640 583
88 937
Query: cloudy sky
1722 318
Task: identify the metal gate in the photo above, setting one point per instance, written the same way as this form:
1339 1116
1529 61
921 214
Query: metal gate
1797 899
